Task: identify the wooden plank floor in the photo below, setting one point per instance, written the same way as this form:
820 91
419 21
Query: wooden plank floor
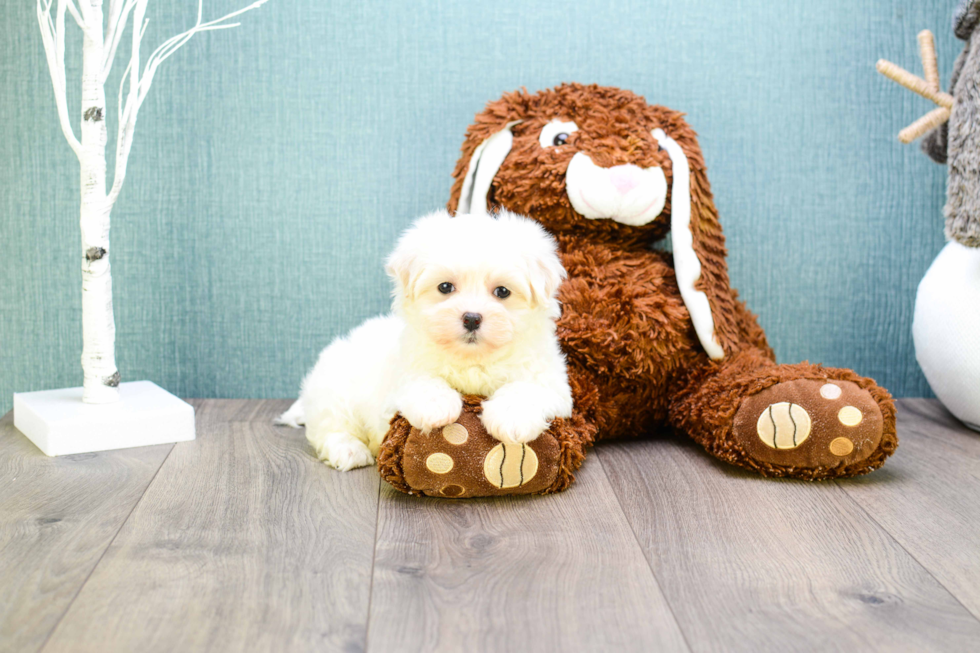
241 541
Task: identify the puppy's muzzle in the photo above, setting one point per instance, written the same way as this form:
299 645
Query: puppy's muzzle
471 321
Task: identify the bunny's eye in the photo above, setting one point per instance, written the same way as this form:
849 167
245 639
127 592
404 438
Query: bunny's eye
556 133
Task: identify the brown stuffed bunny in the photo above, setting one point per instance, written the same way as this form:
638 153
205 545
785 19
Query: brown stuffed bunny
653 339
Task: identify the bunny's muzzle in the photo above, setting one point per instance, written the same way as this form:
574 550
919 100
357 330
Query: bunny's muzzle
625 193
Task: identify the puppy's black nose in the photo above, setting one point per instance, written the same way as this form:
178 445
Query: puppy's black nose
472 321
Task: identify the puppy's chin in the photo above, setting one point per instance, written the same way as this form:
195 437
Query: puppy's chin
468 345
472 346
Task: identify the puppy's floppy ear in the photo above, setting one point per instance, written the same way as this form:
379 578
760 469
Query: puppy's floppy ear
698 243
399 267
547 273
540 252
405 263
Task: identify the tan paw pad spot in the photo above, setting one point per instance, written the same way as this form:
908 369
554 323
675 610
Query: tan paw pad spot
830 391
452 491
784 425
841 446
456 434
850 416
439 463
510 465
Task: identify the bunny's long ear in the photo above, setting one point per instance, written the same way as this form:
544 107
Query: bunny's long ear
484 164
699 250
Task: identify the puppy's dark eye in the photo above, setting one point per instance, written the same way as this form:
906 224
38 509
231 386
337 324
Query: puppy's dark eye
560 139
445 287
501 293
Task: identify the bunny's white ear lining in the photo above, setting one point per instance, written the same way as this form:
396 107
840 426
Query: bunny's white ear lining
687 266
484 164
489 156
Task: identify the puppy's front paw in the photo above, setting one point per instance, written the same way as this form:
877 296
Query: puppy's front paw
430 410
513 419
343 452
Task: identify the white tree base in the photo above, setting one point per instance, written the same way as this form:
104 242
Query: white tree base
59 423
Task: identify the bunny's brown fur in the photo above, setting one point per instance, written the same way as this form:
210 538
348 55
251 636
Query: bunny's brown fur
635 361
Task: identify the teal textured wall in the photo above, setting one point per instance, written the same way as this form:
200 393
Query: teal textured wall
275 164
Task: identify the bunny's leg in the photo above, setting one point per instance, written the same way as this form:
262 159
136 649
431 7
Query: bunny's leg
462 460
803 421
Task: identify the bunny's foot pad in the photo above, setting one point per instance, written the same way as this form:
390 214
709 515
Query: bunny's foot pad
462 460
830 425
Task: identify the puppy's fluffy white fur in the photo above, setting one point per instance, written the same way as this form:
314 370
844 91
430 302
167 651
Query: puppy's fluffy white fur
419 359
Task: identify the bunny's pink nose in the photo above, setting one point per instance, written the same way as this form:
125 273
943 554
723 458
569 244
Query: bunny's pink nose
624 178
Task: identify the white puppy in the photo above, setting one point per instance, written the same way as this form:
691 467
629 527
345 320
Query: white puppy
474 312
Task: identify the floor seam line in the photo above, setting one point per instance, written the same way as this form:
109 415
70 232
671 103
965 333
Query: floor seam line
639 545
104 551
374 557
902 547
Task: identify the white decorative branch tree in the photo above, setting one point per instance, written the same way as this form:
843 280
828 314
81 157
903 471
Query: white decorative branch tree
103 32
